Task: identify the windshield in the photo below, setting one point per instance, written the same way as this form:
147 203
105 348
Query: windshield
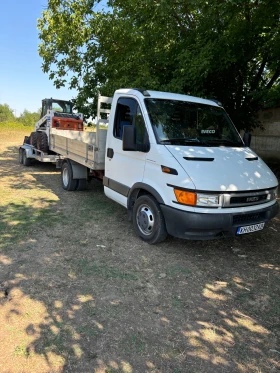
181 122
62 107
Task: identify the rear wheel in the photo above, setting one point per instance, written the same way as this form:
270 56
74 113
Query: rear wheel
25 161
43 142
68 183
148 220
20 156
33 139
82 184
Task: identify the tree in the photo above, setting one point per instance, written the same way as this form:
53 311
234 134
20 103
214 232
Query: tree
6 113
225 49
28 118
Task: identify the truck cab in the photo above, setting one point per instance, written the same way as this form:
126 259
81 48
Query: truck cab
180 167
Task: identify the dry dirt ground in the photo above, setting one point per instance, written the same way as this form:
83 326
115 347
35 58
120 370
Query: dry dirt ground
80 292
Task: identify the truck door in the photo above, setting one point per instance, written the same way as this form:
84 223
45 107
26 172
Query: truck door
124 168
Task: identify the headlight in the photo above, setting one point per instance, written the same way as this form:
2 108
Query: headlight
273 194
211 200
197 199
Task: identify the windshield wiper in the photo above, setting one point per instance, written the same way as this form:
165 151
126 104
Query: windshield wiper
184 141
225 142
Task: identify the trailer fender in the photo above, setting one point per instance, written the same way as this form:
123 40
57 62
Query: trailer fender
28 150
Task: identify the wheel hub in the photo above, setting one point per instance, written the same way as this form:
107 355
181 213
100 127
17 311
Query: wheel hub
65 177
145 219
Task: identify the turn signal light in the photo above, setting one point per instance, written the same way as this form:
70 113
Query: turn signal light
187 198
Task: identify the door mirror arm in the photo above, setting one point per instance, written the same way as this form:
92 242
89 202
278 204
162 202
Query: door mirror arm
247 138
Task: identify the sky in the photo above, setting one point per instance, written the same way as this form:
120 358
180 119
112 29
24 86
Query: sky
23 84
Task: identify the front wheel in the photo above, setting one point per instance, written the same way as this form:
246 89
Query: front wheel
148 220
33 139
68 183
42 142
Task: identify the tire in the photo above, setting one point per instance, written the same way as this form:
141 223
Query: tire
148 220
82 184
68 183
25 161
42 142
20 156
33 139
26 140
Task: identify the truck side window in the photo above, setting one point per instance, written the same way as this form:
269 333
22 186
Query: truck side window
128 112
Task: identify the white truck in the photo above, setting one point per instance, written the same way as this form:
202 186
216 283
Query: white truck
176 162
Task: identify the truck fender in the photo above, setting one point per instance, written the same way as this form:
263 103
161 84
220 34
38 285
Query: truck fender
135 192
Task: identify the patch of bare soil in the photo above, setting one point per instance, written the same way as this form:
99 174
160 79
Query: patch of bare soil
80 292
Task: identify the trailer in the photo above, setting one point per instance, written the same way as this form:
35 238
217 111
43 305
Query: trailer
82 152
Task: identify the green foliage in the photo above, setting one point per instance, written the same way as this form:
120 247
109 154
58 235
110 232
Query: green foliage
228 50
14 125
28 119
8 120
6 113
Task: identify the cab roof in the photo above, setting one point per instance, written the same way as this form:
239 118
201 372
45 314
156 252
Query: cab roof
165 95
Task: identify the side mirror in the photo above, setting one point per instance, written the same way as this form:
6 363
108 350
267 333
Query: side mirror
129 138
247 138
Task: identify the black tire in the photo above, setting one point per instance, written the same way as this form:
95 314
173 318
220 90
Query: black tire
42 142
25 161
148 220
82 184
26 140
20 156
33 139
68 183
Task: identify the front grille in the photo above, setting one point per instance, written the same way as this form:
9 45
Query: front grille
248 218
248 199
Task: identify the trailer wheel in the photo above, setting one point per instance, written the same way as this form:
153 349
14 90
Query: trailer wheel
33 139
148 220
82 184
68 183
20 156
42 142
25 161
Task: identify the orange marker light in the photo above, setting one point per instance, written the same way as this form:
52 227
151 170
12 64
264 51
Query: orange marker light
187 198
165 169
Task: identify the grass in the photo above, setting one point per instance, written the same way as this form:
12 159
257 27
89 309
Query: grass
21 351
87 268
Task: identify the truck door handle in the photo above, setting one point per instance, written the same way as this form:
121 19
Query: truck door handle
110 153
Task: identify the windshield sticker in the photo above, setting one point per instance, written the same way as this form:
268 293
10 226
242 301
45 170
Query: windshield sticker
207 132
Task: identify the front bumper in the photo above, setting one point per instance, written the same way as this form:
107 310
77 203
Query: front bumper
195 226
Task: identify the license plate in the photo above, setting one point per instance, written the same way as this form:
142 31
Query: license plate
250 228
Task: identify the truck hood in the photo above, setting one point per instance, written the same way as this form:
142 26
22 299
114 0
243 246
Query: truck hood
224 168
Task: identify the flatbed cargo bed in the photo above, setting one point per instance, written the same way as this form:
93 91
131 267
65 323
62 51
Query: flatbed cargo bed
85 148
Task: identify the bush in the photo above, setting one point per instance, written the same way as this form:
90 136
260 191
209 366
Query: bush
13 125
